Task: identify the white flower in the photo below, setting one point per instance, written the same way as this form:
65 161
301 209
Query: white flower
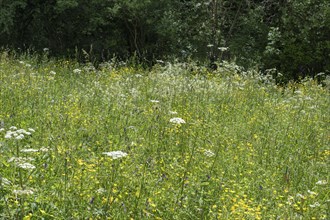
77 71
26 166
101 191
209 153
222 48
23 192
20 131
4 181
177 121
173 112
300 195
8 134
154 101
321 182
29 150
52 72
2 129
31 129
312 193
19 160
115 154
43 149
316 204
13 128
20 137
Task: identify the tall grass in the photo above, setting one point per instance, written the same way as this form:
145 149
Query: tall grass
246 148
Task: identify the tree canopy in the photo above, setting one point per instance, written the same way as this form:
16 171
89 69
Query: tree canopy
291 36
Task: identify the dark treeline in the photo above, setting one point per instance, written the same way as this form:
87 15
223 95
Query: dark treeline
292 36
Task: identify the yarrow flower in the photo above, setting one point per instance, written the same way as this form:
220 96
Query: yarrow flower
177 121
76 71
23 192
22 162
321 182
209 153
115 154
101 191
18 134
4 181
19 137
29 150
26 166
316 204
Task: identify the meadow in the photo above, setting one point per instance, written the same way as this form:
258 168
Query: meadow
172 142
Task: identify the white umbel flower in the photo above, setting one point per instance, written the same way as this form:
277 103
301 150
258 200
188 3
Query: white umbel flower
29 150
26 166
77 71
209 153
23 192
115 154
177 121
321 182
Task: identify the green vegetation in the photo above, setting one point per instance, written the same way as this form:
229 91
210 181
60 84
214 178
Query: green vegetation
227 144
289 35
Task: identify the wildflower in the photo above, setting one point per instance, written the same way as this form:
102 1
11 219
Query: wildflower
26 166
9 134
19 137
154 101
4 181
76 71
101 191
312 193
23 192
173 112
13 128
2 129
300 195
177 121
209 153
43 149
321 182
52 72
18 160
223 48
115 154
316 204
29 150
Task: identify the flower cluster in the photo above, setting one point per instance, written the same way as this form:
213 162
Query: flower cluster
17 134
177 121
23 162
115 154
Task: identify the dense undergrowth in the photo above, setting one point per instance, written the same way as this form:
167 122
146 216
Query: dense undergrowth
173 142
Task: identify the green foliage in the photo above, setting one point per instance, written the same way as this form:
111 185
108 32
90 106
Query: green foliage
299 44
192 144
291 36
